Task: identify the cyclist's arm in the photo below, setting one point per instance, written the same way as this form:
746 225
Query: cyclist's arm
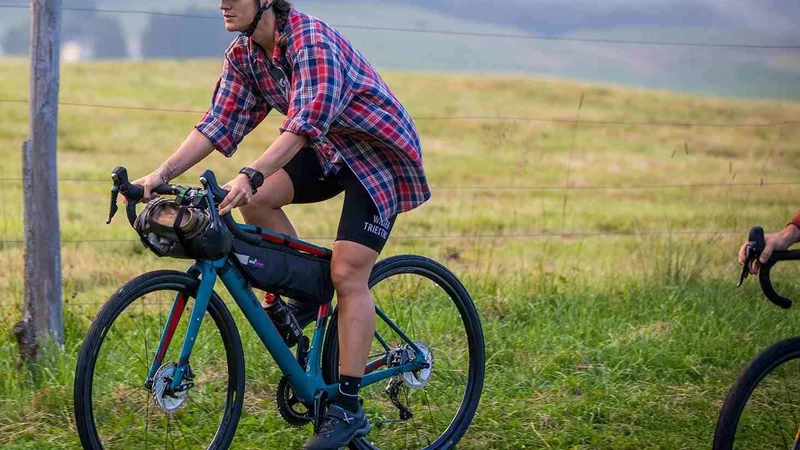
279 153
194 149
780 240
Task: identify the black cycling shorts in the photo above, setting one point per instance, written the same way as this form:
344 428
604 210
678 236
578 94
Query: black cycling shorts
360 221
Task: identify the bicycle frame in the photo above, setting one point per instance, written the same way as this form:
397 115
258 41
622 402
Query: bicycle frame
307 382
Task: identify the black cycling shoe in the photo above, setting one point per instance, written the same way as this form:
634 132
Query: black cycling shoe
339 428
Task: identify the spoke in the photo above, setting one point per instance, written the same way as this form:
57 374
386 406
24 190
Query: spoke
125 341
414 422
166 431
428 404
180 428
430 397
144 332
147 423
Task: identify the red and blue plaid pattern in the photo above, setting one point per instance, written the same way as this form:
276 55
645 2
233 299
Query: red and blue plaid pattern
330 93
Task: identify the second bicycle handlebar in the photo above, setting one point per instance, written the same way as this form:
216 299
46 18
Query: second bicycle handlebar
755 245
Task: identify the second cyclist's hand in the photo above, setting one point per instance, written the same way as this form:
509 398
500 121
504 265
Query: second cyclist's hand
239 194
772 242
149 183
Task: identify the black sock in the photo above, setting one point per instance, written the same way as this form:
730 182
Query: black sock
348 393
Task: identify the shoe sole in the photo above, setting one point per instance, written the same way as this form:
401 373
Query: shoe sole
358 433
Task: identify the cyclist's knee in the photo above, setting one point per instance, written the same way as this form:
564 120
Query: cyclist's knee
350 276
347 278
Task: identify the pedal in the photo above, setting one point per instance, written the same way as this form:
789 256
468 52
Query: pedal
320 401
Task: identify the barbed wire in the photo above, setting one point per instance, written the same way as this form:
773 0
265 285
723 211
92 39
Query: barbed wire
723 45
653 123
527 235
525 188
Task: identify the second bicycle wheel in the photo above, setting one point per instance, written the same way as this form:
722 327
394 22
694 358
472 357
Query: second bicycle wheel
762 410
428 303
114 409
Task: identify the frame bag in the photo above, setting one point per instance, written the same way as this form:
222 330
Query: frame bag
281 270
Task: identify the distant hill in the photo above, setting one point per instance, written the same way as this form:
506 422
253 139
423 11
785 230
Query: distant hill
750 72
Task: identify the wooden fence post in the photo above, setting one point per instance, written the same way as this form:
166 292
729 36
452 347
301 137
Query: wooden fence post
42 319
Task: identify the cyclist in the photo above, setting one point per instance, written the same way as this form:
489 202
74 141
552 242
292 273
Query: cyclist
781 240
344 132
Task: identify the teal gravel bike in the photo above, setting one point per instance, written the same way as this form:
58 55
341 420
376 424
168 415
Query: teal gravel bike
162 365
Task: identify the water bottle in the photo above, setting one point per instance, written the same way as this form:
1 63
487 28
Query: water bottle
282 317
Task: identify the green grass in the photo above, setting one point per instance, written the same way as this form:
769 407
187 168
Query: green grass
608 342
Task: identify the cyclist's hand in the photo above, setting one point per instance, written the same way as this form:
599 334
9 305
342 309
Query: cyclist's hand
149 183
772 242
239 194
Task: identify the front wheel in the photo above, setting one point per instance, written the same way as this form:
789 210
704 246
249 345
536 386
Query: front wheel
763 407
431 306
114 409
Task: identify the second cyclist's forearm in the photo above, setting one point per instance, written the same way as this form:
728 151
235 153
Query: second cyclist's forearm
791 233
194 149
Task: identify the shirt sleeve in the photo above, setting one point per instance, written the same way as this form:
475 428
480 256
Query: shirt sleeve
795 220
318 93
235 110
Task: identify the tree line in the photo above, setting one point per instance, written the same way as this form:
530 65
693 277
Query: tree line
104 37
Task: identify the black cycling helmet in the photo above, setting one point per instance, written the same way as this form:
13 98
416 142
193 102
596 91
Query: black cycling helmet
261 9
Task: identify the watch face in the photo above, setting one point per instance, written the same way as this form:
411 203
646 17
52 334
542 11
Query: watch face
257 179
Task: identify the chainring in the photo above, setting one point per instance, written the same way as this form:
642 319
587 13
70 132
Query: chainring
291 409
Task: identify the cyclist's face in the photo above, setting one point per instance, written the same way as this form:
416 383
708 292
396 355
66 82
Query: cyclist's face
238 14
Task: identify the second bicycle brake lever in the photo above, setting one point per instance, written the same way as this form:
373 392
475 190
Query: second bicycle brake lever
755 245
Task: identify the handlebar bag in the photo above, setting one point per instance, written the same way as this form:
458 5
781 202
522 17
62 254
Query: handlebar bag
186 231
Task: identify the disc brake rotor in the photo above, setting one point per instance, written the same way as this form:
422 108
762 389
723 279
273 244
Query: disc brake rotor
169 402
418 379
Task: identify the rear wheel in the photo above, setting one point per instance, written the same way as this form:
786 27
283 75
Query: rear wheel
114 409
430 305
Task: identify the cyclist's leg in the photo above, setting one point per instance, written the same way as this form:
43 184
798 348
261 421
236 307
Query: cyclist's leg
300 181
350 268
265 208
359 240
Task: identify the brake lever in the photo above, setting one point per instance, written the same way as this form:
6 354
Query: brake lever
112 210
746 267
755 245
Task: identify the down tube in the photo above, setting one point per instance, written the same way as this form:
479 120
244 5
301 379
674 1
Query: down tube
251 308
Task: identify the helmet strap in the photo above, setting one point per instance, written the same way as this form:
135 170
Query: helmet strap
261 10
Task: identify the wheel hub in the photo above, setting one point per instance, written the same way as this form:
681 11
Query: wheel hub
415 379
418 379
168 401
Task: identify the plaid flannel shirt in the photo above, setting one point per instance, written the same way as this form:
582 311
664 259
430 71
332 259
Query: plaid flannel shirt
330 93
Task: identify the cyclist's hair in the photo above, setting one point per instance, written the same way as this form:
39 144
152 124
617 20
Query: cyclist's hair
281 9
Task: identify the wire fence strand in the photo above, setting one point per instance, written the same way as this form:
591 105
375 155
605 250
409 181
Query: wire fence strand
566 39
563 120
476 236
630 187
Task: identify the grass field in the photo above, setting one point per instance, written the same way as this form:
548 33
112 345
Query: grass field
609 309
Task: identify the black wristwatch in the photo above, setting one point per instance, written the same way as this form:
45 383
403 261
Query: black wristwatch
256 178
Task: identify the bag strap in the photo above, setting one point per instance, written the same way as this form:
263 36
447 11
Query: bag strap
176 227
